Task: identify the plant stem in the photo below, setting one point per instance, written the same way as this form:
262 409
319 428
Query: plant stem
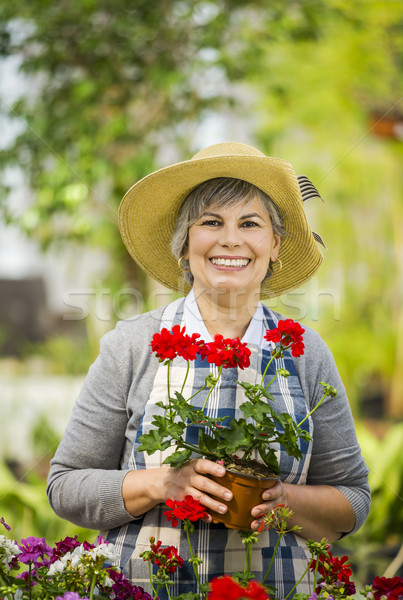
186 376
272 558
29 580
151 580
312 411
269 384
167 589
266 369
198 392
195 569
298 582
168 387
94 579
211 389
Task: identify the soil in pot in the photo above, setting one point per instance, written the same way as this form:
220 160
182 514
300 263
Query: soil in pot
247 488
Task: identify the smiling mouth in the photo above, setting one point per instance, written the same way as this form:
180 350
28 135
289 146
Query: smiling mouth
230 262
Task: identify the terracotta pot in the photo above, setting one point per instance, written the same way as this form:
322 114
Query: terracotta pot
247 492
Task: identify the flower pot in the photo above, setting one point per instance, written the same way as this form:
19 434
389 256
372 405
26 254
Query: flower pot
247 492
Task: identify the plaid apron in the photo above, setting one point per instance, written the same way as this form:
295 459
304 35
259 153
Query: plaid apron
220 548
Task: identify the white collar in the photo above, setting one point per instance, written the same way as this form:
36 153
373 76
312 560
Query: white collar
194 322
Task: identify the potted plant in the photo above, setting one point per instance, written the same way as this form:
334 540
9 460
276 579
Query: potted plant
232 443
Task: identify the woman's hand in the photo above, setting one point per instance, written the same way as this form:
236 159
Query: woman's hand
320 510
144 489
272 497
191 480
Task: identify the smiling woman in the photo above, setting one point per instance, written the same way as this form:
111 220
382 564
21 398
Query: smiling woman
227 228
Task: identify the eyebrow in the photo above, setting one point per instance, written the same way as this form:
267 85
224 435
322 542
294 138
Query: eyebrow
243 218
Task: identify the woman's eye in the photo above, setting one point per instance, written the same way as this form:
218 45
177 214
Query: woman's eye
250 224
211 222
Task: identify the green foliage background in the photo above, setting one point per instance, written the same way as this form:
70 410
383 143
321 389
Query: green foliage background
119 89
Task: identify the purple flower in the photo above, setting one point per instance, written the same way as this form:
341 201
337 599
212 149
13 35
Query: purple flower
63 547
70 596
124 590
33 549
2 521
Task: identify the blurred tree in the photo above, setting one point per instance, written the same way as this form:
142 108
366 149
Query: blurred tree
324 74
111 84
114 84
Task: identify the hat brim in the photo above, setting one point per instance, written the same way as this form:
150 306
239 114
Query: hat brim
149 209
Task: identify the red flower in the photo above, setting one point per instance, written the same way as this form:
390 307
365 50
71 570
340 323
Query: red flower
189 508
167 558
289 334
391 588
226 352
333 569
226 588
169 344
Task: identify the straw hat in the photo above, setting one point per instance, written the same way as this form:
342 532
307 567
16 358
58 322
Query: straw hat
149 209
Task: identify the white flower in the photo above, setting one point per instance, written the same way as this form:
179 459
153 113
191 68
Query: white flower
56 567
107 582
8 549
105 550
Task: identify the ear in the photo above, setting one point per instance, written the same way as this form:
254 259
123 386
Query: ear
275 248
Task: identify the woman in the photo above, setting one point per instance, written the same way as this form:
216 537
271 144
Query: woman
229 228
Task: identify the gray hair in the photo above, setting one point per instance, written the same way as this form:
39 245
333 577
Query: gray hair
219 192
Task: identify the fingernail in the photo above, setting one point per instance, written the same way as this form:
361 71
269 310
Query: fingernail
222 509
220 471
228 495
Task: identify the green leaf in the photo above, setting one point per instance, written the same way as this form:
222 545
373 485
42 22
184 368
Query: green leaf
235 437
207 444
257 411
178 459
152 441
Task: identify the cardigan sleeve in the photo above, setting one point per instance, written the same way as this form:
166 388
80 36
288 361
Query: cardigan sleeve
85 480
87 471
336 455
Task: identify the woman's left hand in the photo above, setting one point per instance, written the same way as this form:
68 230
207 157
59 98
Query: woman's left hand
271 498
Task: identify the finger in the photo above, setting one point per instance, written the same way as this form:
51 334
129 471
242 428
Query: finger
208 467
261 509
274 492
258 525
209 503
212 488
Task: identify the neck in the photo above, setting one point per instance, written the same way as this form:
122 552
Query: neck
227 314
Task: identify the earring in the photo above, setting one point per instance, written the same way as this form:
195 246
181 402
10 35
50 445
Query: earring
180 266
271 265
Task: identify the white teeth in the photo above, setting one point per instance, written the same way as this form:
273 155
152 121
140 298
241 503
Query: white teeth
230 262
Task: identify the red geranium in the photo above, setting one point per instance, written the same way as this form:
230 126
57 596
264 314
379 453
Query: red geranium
226 352
289 334
166 558
391 588
189 508
333 569
169 344
226 588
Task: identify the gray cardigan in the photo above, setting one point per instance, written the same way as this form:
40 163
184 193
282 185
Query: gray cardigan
86 474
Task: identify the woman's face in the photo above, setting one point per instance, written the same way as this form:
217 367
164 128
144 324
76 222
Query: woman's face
230 248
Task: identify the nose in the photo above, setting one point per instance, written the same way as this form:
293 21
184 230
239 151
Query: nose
230 237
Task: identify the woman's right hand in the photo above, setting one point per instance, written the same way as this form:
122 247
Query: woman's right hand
191 480
144 489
